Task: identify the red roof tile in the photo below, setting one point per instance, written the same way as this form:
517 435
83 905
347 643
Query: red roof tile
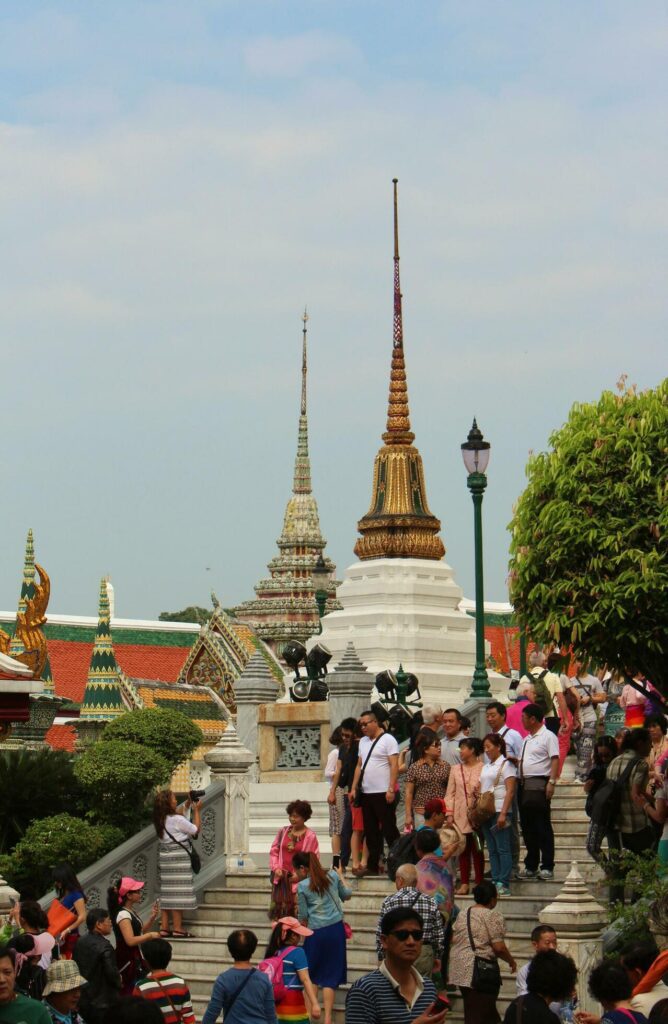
70 660
61 737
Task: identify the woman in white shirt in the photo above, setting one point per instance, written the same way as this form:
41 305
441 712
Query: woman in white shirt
175 833
500 775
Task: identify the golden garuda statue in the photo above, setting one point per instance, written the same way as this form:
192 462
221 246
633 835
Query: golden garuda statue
28 645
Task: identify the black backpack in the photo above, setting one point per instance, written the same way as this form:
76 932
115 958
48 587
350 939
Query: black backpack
401 852
607 799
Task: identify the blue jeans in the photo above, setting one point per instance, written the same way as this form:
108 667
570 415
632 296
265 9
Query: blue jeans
498 844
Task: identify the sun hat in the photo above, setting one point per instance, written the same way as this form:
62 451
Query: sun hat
291 924
128 884
63 976
434 806
42 943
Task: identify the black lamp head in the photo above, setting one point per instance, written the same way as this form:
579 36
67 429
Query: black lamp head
386 682
412 683
318 658
294 653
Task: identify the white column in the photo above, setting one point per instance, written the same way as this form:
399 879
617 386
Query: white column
229 763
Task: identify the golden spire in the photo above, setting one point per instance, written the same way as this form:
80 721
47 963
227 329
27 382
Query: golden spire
398 523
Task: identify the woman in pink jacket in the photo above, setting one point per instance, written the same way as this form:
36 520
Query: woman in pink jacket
463 785
291 839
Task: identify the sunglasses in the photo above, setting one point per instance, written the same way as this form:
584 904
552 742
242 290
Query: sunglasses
408 933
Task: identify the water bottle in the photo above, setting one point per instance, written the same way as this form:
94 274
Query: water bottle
240 863
567 1011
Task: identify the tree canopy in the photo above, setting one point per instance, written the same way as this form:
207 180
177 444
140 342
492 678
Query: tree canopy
170 734
589 564
193 613
118 778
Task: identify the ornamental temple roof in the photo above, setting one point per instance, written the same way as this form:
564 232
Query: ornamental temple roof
284 607
398 523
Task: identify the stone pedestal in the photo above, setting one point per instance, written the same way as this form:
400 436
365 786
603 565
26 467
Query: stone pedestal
578 920
229 762
43 710
255 686
89 731
350 686
406 611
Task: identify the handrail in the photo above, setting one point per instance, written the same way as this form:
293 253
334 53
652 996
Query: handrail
138 857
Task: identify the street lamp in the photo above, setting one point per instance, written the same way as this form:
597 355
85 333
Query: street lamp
321 578
475 453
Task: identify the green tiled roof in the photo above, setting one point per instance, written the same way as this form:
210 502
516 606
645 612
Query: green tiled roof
122 635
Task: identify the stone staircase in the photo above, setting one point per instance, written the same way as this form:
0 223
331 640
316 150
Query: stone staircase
243 901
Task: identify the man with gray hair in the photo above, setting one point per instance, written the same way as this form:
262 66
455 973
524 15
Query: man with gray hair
407 895
549 693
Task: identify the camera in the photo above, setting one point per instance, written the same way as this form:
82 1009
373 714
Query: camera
196 794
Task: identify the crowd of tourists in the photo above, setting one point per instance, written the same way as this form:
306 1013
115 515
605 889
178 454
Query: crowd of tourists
467 801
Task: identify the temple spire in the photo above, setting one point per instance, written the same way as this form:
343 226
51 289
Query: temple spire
398 523
398 430
302 476
103 697
27 592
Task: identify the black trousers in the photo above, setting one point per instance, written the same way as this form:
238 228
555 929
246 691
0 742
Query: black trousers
634 842
346 832
536 822
380 822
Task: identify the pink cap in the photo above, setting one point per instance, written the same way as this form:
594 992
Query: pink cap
128 884
291 924
42 944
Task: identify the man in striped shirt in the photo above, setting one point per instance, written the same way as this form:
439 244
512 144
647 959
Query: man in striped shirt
407 895
396 993
169 991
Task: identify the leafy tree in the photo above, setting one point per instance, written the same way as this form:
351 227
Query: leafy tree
34 784
61 837
588 553
193 613
171 734
118 777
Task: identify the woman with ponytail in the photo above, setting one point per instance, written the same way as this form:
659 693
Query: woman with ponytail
319 906
129 929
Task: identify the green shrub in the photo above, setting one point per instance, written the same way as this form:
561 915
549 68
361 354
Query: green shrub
34 783
61 837
171 734
117 778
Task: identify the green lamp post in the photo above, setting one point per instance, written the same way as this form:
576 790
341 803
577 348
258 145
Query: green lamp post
475 453
321 577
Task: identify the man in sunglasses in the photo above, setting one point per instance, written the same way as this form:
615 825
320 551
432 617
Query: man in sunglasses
396 993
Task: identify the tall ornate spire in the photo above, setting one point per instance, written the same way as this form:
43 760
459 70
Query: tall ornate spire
302 476
398 418
27 592
284 608
398 523
102 698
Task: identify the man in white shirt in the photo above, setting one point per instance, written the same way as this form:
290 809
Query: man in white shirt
376 779
496 720
538 773
452 728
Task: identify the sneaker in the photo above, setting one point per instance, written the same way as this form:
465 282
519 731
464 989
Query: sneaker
544 873
503 890
527 876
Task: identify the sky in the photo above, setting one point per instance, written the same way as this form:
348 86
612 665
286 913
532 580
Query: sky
178 180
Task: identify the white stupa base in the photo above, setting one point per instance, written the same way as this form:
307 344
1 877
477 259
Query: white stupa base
406 610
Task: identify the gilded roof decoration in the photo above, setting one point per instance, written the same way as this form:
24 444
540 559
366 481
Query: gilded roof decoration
399 523
28 642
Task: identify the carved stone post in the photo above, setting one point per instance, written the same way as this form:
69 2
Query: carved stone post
7 894
579 921
350 687
255 686
228 762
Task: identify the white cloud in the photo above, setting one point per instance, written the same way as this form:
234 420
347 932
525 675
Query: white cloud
296 55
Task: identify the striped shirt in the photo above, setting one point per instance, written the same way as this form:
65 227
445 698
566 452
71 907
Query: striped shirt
170 993
374 999
425 907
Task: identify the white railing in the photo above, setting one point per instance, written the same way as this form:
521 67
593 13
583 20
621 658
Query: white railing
138 857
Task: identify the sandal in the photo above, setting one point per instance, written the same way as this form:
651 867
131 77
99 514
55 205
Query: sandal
165 934
462 891
182 935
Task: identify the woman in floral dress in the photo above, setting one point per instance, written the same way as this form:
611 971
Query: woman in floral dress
290 839
427 777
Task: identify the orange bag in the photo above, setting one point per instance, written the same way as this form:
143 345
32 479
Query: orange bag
59 918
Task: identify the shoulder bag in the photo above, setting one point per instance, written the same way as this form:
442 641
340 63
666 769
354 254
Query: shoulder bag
195 859
486 973
358 791
483 809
